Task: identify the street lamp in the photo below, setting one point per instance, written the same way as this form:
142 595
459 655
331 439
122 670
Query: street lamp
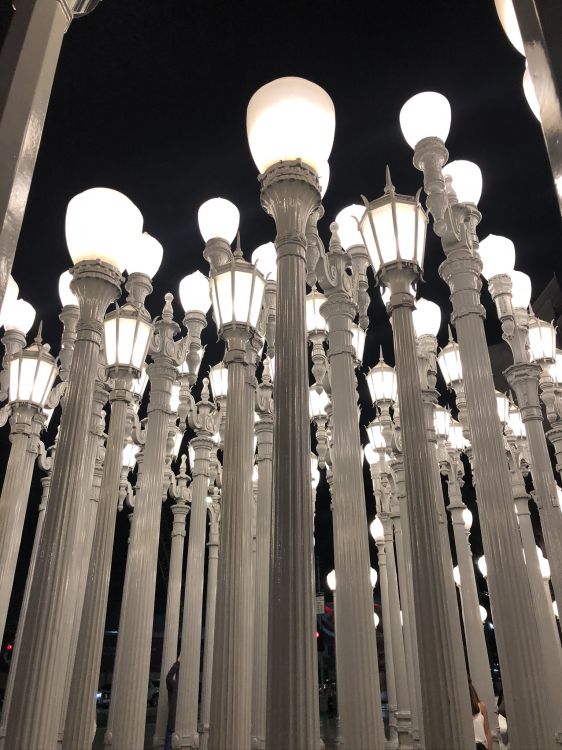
218 223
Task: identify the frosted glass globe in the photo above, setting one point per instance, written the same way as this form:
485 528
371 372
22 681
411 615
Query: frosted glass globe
497 254
290 118
374 576
67 296
102 224
508 20
324 178
425 115
19 316
264 258
467 518
466 179
348 228
218 217
483 613
377 530
331 580
531 94
146 256
482 567
427 318
520 289
194 293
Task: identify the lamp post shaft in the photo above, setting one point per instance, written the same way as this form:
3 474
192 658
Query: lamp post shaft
388 647
81 710
45 656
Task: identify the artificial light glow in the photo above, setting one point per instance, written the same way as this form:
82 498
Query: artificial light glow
331 580
482 567
348 225
314 471
531 94
290 118
542 340
376 619
373 575
520 290
102 224
177 444
218 377
386 293
467 518
508 19
466 180
129 458
315 321
140 383
376 436
442 421
425 115
426 318
218 218
515 422
32 373
449 361
545 568
175 398
381 380
146 256
371 455
555 610
194 293
457 576
358 337
483 613
317 402
497 254
10 296
66 295
324 178
456 439
377 530
264 258
503 404
237 292
126 333
19 316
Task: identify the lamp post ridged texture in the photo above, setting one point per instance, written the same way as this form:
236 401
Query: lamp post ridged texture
231 690
446 718
358 676
26 423
188 680
290 192
510 595
81 711
127 711
210 612
388 646
42 667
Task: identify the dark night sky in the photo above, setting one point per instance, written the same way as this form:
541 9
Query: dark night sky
150 98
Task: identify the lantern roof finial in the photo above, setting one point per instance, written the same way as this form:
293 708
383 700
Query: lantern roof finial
389 187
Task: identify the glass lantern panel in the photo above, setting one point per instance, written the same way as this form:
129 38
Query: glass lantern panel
218 375
141 344
449 362
242 293
358 337
542 341
125 340
14 378
175 397
503 407
315 321
376 437
110 341
177 444
255 307
442 421
222 297
407 238
384 227
44 378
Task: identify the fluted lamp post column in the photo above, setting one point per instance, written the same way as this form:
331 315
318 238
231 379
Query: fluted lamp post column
236 291
290 125
394 230
358 676
100 227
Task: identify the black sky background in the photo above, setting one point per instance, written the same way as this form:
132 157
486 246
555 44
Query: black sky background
150 98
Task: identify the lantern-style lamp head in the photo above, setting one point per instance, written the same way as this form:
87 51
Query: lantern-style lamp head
482 567
331 580
376 436
218 377
32 374
19 316
467 518
348 226
264 258
542 340
442 421
290 118
371 455
127 331
503 405
457 576
218 218
449 361
178 440
130 455
556 368
393 228
175 398
425 115
497 254
457 440
358 337
466 180
66 295
194 293
483 613
377 530
315 321
140 383
427 318
381 380
521 290
515 422
237 291
317 403
102 224
146 256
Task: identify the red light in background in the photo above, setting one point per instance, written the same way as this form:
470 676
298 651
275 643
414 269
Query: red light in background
9 647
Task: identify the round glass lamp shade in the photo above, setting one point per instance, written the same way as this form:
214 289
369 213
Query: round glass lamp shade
66 295
264 258
393 228
323 177
146 256
482 567
381 380
315 321
508 20
376 619
442 421
377 530
175 398
32 374
140 383
426 318
218 218
466 179
371 455
425 115
503 405
483 613
449 361
456 439
331 580
542 340
218 377
467 518
237 291
317 402
10 295
457 576
358 337
194 293
130 455
348 225
497 254
126 333
531 94
376 436
521 289
19 316
290 118
515 422
102 224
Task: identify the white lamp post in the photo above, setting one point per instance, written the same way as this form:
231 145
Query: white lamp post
290 125
425 128
236 290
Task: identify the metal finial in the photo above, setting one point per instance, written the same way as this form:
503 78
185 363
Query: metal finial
365 201
335 242
389 187
168 311
183 465
38 338
266 375
238 251
381 358
205 390
451 339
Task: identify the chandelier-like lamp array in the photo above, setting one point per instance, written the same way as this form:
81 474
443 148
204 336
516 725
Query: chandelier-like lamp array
425 121
291 125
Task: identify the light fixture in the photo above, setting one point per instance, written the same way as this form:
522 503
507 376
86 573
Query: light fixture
178 439
323 177
358 337
66 295
130 451
32 374
457 576
19 316
456 439
482 567
288 119
127 331
237 291
497 255
503 404
331 580
317 402
377 530
10 296
545 568
425 115
348 226
145 256
102 224
218 377
371 455
264 258
376 436
466 179
442 421
175 398
373 577
194 293
515 422
315 321
314 471
483 613
520 290
140 383
381 380
376 619
449 361
542 340
556 368
426 318
218 218
467 518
